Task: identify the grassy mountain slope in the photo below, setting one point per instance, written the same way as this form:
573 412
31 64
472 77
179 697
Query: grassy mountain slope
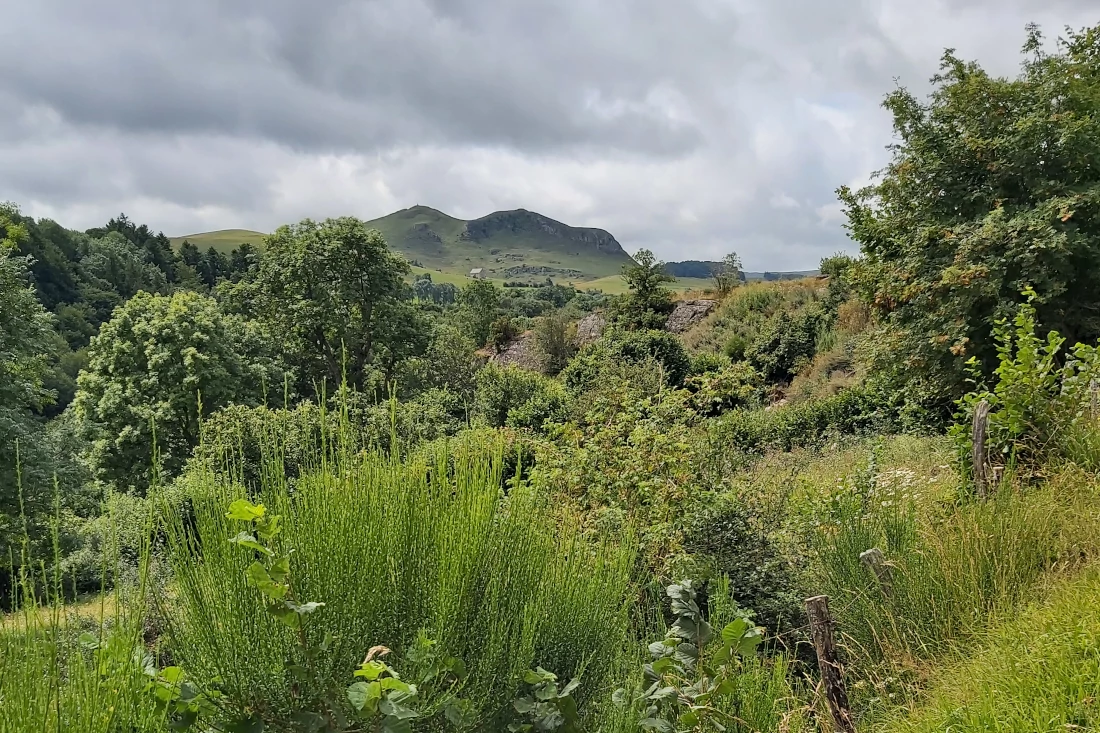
223 240
508 245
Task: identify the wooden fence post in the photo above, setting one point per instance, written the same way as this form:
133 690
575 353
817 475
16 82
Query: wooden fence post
832 674
1094 392
876 563
980 455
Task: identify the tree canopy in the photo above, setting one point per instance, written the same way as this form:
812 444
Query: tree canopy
151 369
335 294
994 186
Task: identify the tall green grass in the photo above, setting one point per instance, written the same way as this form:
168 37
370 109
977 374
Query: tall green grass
1039 673
956 568
437 542
60 671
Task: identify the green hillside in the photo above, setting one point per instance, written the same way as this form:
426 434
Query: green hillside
515 245
223 240
508 245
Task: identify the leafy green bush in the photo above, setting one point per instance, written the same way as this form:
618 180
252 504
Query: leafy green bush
708 362
854 411
631 347
785 345
731 386
517 398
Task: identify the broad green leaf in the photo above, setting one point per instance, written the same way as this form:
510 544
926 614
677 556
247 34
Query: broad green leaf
184 720
532 677
456 667
396 725
89 640
568 689
284 614
244 539
689 719
245 511
171 675
725 687
523 705
371 670
662 726
392 683
460 713
270 527
734 630
280 569
364 696
388 707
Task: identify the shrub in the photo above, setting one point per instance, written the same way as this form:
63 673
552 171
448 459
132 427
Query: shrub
714 392
708 362
554 337
629 347
501 333
785 345
518 398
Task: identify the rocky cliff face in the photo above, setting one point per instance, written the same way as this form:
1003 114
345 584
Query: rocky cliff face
525 222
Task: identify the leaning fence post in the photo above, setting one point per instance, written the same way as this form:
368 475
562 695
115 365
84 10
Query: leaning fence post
876 562
980 455
832 674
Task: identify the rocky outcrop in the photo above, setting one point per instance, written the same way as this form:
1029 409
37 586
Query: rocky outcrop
542 271
688 313
522 221
590 328
521 352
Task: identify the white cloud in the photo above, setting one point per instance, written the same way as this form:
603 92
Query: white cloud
690 128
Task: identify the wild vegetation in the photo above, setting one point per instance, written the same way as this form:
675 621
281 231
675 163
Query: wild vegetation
310 487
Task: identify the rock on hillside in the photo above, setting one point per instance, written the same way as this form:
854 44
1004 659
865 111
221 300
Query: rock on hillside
688 313
590 328
522 352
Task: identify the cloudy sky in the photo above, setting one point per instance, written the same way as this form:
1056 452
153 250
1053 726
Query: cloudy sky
691 127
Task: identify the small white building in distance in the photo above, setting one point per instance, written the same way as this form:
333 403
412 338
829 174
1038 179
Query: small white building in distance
477 272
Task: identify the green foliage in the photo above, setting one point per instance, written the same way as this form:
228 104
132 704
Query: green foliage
150 369
785 345
729 387
390 548
502 332
649 302
1036 672
660 348
517 398
993 186
727 275
555 340
477 309
547 707
334 294
691 684
856 410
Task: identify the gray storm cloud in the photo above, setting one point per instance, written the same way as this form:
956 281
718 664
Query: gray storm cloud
692 128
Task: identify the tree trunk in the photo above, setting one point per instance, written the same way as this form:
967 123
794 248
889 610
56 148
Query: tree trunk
832 674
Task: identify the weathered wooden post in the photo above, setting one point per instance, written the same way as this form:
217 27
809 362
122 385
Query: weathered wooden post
876 563
832 674
980 455
1094 397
